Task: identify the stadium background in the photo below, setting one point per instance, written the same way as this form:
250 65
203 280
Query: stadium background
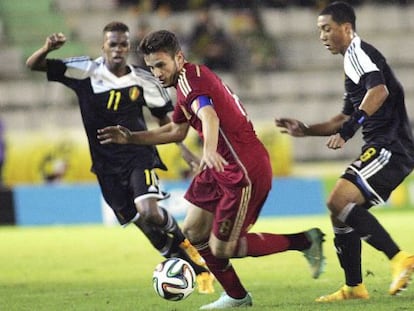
47 155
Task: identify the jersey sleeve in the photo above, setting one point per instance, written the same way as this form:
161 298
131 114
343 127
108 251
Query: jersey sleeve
348 108
55 69
77 68
179 115
156 97
372 79
360 67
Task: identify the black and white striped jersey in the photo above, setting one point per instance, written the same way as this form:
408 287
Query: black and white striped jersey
105 100
365 67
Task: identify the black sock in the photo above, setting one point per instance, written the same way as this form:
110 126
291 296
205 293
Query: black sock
156 236
370 230
171 226
348 250
166 244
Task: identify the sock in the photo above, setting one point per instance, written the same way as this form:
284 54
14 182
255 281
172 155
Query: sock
224 273
157 237
166 244
171 226
348 249
262 244
369 229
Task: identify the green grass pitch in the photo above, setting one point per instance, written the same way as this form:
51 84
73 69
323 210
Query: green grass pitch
110 268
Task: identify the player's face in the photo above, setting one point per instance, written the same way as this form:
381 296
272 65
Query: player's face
115 49
335 37
165 67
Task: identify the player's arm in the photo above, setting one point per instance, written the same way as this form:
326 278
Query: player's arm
372 101
168 133
37 61
189 157
297 128
210 126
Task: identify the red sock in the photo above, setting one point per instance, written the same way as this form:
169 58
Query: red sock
262 244
224 273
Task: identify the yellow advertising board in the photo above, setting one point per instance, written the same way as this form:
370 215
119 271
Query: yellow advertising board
63 155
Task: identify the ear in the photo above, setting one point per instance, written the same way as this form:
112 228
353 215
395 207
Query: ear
179 58
348 29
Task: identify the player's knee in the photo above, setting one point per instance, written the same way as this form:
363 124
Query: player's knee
149 213
222 249
222 252
335 205
330 203
194 235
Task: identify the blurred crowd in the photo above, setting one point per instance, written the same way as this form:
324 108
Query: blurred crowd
244 44
181 5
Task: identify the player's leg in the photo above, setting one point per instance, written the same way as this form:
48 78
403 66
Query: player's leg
347 240
348 249
245 244
367 180
145 186
167 245
197 226
376 173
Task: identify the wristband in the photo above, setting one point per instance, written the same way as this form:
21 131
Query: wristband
350 127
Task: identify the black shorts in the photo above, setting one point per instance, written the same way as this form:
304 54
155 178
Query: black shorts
121 191
377 172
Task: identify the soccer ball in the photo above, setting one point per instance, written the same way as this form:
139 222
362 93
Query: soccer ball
174 279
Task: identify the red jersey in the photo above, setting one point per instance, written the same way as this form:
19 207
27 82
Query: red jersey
236 195
237 136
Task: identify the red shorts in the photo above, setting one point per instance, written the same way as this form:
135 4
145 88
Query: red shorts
235 196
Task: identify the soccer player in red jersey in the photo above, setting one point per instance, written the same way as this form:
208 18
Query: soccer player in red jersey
110 91
235 174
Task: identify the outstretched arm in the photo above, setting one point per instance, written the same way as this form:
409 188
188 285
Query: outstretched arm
297 128
168 133
189 157
37 61
372 101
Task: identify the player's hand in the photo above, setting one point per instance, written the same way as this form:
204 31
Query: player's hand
335 142
190 158
213 160
55 41
114 135
292 127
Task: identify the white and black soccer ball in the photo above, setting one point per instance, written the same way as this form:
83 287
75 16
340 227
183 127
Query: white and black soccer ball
174 279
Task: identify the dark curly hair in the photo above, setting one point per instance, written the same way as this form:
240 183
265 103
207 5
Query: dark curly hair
116 26
159 41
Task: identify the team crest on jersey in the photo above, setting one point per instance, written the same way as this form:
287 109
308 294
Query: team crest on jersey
134 93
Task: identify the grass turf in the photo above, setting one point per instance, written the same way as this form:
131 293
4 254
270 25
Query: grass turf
110 268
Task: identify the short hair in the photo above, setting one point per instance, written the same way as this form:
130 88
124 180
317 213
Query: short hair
116 26
159 41
341 13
